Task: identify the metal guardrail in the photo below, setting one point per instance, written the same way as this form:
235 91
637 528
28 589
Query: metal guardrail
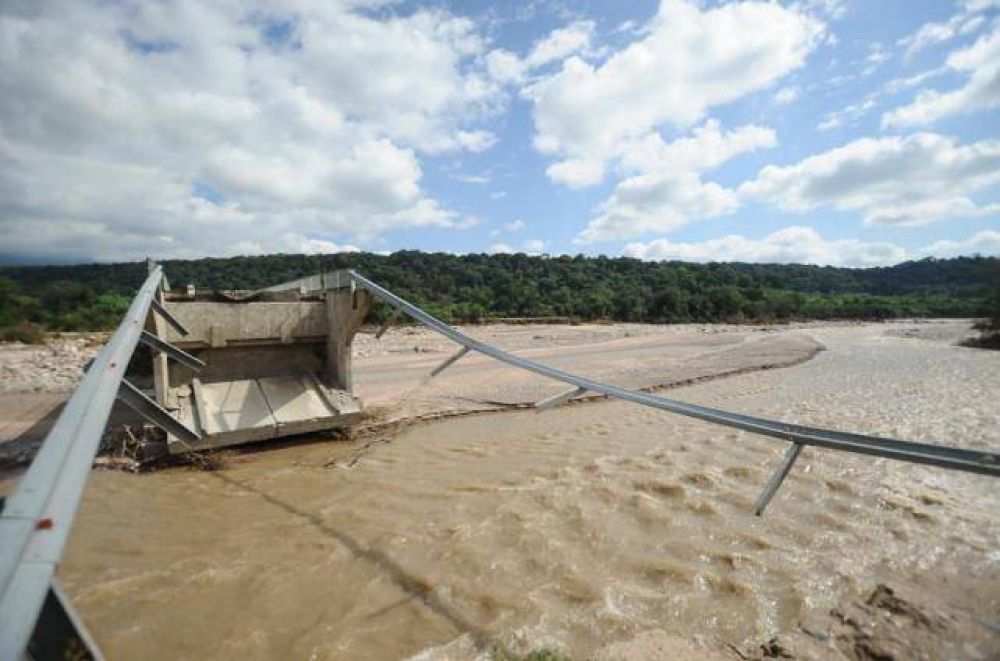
37 517
972 461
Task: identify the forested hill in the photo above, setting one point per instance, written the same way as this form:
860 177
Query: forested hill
484 286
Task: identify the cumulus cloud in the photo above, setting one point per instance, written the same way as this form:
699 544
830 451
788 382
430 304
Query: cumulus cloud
791 245
500 249
576 172
657 203
835 9
534 246
980 62
191 128
910 180
528 247
296 243
786 95
876 56
686 61
981 5
561 43
804 245
986 242
966 21
511 227
847 115
668 190
506 67
707 146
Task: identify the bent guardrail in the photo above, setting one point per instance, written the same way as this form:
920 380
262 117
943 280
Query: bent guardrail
37 517
972 461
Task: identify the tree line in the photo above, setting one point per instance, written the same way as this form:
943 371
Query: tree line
480 287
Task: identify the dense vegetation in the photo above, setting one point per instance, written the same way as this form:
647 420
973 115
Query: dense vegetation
989 328
476 287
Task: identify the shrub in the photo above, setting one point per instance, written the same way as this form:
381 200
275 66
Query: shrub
25 332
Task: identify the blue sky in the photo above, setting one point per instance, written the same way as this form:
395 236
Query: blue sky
819 131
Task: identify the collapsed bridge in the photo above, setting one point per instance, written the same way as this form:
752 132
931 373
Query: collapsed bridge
269 360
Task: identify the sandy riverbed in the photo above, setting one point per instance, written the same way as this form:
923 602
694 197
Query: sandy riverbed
391 373
602 529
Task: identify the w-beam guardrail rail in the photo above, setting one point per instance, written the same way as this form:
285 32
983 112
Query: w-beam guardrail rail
972 461
37 620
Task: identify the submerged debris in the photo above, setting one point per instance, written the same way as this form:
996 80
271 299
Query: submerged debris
884 627
142 448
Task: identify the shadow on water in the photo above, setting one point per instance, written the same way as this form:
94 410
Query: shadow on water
412 585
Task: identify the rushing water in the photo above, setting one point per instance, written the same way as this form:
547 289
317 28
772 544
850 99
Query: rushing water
571 528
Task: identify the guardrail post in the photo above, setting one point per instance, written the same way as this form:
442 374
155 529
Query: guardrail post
777 478
449 361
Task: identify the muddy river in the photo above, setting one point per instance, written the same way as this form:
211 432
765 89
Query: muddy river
569 529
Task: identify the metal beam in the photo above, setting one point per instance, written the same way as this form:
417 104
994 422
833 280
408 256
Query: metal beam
559 398
449 361
153 413
37 518
168 317
182 357
777 478
385 324
973 461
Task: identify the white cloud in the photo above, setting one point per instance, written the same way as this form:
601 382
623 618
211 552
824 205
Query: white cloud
900 84
876 56
928 34
791 245
986 242
576 172
668 190
656 203
981 5
966 21
901 181
851 113
981 63
174 129
835 9
499 248
560 44
506 67
471 178
296 243
686 61
474 141
705 148
534 246
786 95
804 245
511 227
922 212
528 247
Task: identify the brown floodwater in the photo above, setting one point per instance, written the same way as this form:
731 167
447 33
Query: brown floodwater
570 529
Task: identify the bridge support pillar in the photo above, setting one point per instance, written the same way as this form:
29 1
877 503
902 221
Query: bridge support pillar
345 311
